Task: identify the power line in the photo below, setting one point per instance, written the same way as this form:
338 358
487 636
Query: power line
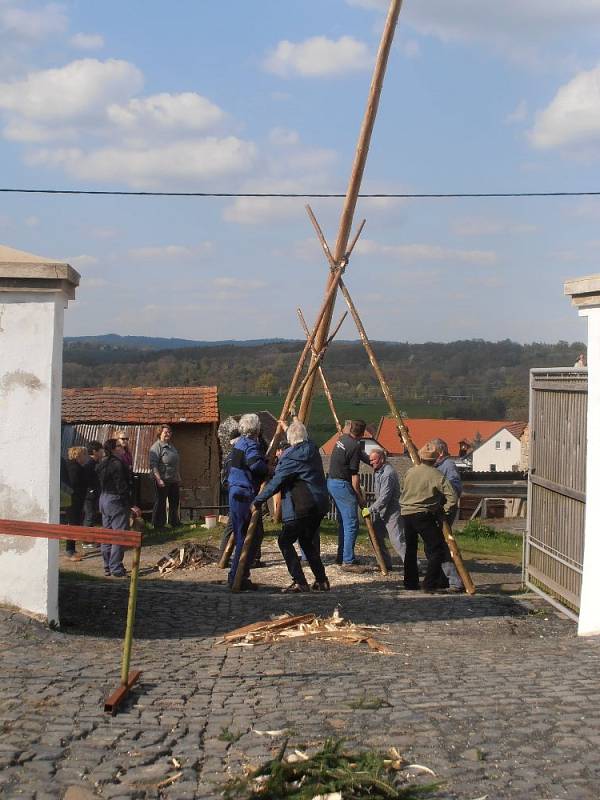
298 195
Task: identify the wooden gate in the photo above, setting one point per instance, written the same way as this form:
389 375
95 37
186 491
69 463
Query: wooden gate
553 548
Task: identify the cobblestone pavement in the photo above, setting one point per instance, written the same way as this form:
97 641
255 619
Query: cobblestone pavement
494 692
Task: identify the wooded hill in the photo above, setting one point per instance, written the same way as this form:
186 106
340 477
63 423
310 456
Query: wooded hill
469 379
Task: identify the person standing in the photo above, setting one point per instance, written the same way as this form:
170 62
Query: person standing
114 504
425 494
164 464
91 509
385 510
300 478
247 470
77 457
343 485
448 468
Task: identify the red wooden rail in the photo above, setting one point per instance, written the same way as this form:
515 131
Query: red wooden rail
78 533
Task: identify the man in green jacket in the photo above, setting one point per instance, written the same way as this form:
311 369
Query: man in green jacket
425 494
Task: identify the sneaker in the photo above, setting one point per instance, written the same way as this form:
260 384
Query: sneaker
107 572
353 567
321 586
296 588
119 574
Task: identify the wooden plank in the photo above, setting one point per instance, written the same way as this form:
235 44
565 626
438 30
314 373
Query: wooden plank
565 491
78 533
274 625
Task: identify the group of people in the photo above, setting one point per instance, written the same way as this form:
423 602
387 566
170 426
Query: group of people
428 496
98 480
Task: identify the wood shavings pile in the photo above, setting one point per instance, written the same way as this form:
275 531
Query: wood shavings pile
309 626
189 555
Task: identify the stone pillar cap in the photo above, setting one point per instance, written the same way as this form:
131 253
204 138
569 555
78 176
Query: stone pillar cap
584 292
26 272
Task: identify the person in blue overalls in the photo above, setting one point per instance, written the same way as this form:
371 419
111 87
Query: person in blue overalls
248 469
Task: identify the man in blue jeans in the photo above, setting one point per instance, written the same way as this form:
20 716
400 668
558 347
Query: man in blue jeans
343 485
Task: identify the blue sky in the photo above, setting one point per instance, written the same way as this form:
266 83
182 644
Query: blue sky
268 95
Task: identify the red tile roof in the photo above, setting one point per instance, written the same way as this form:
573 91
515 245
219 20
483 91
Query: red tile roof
141 406
452 431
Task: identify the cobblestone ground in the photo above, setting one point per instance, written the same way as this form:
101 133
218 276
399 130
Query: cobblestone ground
494 692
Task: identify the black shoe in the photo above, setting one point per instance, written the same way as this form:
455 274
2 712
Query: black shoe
248 586
258 565
321 586
296 588
412 588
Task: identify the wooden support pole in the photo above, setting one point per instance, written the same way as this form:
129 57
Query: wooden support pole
402 429
127 678
358 167
324 383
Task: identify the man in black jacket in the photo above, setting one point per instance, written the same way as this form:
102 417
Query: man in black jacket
113 476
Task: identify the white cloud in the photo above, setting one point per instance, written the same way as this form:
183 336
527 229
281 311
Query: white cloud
519 114
516 27
407 253
183 112
573 117
483 226
283 137
318 57
148 167
411 49
172 252
237 284
84 260
81 89
31 25
87 41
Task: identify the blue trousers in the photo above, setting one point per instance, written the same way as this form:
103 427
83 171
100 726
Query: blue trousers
346 504
115 515
239 517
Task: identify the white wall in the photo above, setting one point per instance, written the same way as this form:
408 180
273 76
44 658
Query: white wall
504 458
31 334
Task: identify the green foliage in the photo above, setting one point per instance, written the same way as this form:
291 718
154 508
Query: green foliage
479 530
229 736
367 774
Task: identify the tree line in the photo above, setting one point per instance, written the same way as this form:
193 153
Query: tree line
470 378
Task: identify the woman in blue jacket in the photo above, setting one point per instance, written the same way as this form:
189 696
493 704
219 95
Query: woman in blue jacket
248 467
300 478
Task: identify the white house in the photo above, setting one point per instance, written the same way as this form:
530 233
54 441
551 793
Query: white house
502 451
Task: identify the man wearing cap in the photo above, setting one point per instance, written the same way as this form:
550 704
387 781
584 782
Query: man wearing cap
425 494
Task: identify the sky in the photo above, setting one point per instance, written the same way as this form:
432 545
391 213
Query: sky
268 96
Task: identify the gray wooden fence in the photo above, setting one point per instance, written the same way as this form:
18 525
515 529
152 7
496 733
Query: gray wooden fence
553 546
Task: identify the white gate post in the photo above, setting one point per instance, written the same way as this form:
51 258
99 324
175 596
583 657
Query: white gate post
585 293
34 292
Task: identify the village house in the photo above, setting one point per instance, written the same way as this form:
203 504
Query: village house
501 452
192 412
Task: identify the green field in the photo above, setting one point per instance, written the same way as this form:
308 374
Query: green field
321 425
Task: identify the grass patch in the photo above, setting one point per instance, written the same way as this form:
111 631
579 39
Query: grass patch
229 736
354 775
368 702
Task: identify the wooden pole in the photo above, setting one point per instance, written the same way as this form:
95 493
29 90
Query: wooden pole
324 383
402 429
358 167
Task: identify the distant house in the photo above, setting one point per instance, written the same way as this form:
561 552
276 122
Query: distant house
461 435
501 452
192 412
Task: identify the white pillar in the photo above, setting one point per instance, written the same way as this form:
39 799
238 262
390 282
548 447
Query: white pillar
33 295
585 293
